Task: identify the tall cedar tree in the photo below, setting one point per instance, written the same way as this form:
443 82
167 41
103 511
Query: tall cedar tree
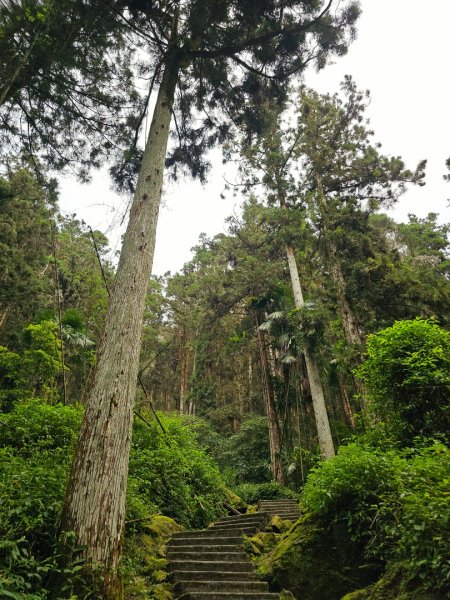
217 55
328 165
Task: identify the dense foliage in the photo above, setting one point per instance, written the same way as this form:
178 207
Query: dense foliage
407 373
169 474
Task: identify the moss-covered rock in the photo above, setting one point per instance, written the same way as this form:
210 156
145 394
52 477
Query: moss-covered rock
395 584
146 556
317 562
260 544
234 500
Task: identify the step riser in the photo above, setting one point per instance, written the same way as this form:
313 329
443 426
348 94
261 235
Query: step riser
239 524
260 516
227 596
217 549
286 507
208 556
214 566
177 576
213 586
209 533
227 526
203 542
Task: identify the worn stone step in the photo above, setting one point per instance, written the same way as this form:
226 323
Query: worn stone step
228 596
279 501
186 575
238 525
211 566
207 533
278 504
205 555
203 541
181 587
258 516
211 548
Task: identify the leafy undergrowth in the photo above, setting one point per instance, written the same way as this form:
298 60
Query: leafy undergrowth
252 493
145 559
168 474
374 521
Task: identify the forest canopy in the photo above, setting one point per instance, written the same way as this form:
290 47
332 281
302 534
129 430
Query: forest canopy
302 354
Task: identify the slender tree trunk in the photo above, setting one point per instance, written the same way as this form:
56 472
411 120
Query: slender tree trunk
95 499
318 399
346 404
183 372
193 376
3 315
272 417
349 324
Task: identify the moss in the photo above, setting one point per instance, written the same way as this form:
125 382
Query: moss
234 500
146 558
261 543
395 584
279 525
316 562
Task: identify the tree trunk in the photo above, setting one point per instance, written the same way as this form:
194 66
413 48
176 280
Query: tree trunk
318 399
3 315
183 360
272 417
349 324
95 499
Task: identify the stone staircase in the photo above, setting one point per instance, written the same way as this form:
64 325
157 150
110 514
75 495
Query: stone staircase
288 509
211 564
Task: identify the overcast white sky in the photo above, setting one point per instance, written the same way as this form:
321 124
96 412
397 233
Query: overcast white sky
401 55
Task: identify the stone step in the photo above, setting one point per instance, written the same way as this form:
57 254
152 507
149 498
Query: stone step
228 596
212 566
258 516
203 541
219 576
207 533
210 548
279 501
205 555
278 504
218 586
238 525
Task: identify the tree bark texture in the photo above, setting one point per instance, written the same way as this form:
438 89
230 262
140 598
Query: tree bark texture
318 399
94 506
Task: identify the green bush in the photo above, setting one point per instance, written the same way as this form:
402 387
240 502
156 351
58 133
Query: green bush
407 374
174 473
252 493
34 426
413 525
395 503
350 487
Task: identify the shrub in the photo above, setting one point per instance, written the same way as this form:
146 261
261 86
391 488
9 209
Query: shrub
407 373
395 503
252 493
174 473
34 426
350 487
